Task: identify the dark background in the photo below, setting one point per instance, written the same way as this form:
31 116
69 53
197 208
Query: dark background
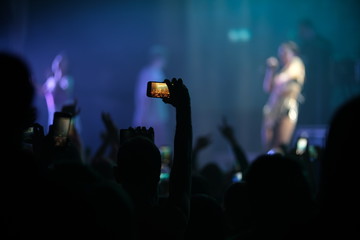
107 44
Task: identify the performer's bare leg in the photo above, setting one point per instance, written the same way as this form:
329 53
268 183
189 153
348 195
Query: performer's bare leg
267 136
285 131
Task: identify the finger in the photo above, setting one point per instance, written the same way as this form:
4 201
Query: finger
151 133
151 130
103 116
137 129
143 130
131 131
167 81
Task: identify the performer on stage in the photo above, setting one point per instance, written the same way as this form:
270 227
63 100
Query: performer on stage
284 86
58 87
58 90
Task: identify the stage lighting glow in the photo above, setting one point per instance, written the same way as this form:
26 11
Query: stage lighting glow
164 176
239 35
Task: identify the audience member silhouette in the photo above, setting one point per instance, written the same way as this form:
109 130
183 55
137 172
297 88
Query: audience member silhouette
339 183
47 193
18 168
215 176
138 171
281 203
82 204
20 112
200 183
121 199
105 156
227 132
201 143
237 211
213 179
309 161
206 218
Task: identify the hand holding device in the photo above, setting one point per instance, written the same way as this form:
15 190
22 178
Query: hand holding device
301 145
179 94
272 62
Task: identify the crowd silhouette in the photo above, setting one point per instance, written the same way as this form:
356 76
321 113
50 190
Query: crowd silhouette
52 191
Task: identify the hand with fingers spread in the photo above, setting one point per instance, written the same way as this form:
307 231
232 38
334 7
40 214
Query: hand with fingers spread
240 156
111 134
110 138
226 130
201 143
148 133
139 131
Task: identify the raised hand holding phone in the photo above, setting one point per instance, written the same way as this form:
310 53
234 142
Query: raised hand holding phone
179 94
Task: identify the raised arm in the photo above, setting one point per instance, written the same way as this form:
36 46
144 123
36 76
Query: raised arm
240 156
201 143
180 176
109 139
272 63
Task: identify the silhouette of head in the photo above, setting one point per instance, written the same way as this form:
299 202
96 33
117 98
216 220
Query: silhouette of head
16 77
339 164
278 190
215 178
138 168
206 218
237 206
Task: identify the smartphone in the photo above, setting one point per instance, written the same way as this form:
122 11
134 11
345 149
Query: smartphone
301 145
165 152
61 127
157 90
237 177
